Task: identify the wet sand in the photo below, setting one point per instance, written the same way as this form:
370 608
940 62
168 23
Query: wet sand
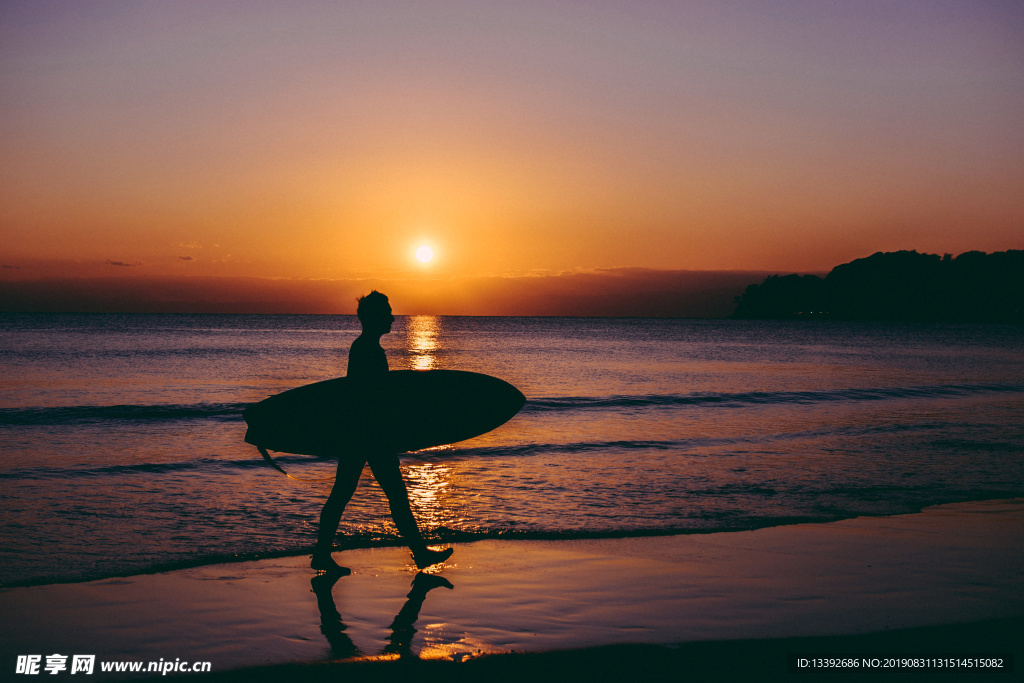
947 580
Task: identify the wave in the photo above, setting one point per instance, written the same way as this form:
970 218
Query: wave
69 415
204 466
764 397
693 446
132 413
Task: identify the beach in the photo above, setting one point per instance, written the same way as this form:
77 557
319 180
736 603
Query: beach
950 572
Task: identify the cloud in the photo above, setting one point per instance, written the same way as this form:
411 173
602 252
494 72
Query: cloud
187 258
122 263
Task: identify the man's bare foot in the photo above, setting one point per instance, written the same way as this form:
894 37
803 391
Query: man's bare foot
427 557
323 562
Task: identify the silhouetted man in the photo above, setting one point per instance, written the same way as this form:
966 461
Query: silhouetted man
368 365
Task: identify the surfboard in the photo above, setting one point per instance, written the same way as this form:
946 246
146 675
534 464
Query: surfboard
403 410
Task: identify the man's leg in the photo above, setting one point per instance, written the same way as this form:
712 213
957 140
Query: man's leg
388 474
345 483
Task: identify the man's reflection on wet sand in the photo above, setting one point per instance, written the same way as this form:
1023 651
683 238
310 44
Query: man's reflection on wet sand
402 627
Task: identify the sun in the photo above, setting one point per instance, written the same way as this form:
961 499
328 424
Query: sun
424 254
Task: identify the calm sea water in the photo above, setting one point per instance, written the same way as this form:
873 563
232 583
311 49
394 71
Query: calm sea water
122 451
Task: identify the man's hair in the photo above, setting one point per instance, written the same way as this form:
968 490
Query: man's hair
370 305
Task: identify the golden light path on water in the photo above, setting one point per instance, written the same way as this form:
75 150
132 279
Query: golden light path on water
430 483
432 495
423 344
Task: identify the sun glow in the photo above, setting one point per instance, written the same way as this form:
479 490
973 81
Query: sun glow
424 254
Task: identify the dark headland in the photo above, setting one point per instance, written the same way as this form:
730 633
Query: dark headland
901 285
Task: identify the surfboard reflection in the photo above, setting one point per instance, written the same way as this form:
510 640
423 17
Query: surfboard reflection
402 626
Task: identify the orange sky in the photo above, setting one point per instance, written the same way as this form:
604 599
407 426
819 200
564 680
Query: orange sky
328 140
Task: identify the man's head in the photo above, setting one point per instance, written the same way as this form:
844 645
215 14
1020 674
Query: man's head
374 312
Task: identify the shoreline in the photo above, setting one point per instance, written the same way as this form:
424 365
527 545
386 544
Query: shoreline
356 543
582 601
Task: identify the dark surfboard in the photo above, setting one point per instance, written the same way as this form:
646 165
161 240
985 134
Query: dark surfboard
404 410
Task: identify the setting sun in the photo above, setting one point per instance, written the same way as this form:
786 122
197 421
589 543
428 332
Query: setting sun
424 254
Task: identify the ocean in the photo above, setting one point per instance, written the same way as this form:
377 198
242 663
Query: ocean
121 445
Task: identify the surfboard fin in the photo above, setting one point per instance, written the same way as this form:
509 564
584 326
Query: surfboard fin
266 456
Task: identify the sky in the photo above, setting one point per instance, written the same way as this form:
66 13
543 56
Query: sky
209 144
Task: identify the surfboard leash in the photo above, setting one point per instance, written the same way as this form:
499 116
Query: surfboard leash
266 456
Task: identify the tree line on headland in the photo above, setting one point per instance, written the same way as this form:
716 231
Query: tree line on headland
901 285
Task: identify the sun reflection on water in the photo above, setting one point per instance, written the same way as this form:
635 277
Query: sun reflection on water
431 494
422 341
